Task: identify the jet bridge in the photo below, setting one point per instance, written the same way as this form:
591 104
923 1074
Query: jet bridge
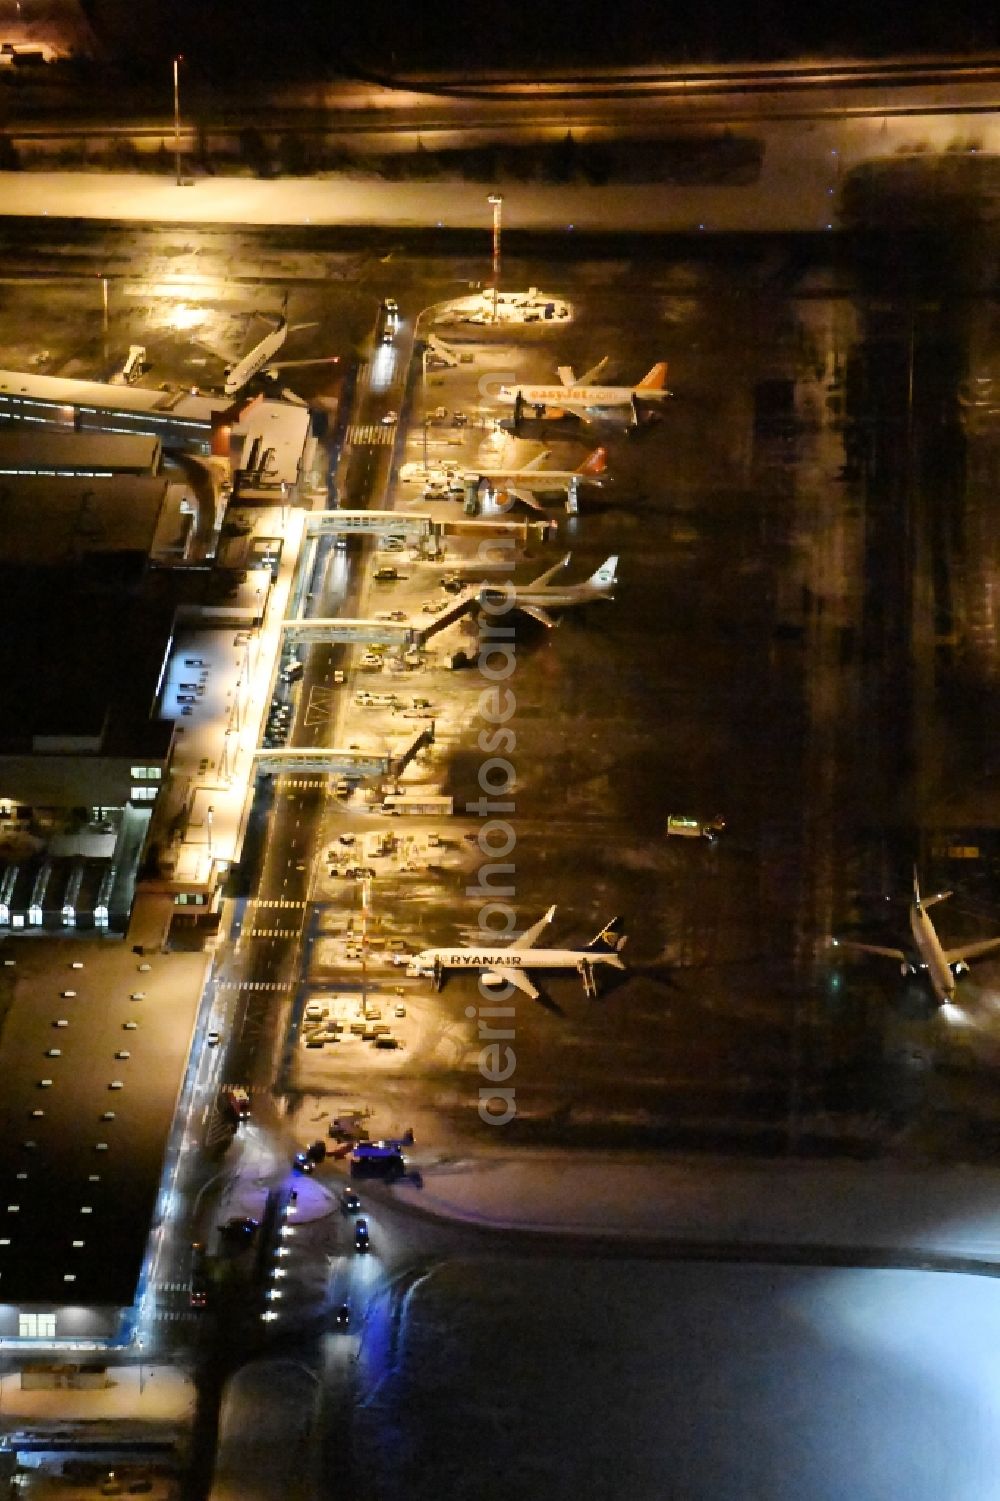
461 605
367 523
410 524
330 762
338 762
328 630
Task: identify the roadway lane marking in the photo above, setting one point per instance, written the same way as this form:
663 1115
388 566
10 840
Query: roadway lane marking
361 433
257 984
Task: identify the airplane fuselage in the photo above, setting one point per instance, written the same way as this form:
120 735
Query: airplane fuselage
254 362
928 946
430 960
536 479
547 597
579 396
544 599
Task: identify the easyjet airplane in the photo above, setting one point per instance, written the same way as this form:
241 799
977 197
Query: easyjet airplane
581 397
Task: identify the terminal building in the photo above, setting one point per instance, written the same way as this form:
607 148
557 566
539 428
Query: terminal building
115 549
112 516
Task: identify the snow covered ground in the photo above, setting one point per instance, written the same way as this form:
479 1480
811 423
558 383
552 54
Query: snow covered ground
950 1211
797 189
556 1379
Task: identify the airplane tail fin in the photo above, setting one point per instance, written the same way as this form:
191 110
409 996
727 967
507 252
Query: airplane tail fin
927 901
607 575
566 375
594 463
656 379
611 939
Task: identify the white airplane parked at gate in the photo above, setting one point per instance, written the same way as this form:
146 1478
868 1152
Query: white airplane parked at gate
582 397
538 597
942 965
504 483
502 964
261 355
518 484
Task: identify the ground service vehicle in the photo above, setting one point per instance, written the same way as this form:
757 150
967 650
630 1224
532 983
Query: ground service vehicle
377 1159
236 1101
198 1276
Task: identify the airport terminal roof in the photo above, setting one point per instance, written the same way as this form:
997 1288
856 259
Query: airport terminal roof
29 450
280 428
82 634
80 654
80 1159
48 520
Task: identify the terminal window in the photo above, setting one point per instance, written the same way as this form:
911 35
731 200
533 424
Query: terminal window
36 1325
143 794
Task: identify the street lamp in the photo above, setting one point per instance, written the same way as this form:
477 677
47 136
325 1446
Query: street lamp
495 200
209 817
177 118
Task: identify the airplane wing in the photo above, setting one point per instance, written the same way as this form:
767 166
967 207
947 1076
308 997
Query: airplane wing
543 578
574 407
870 948
589 377
531 935
327 359
525 495
972 950
538 614
500 974
566 375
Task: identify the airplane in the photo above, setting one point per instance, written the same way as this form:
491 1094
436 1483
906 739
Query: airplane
942 965
501 964
581 396
260 356
518 484
502 484
539 596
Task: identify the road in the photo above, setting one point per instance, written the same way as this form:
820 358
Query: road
626 102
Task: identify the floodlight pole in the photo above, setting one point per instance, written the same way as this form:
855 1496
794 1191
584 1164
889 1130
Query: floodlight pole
177 118
495 201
